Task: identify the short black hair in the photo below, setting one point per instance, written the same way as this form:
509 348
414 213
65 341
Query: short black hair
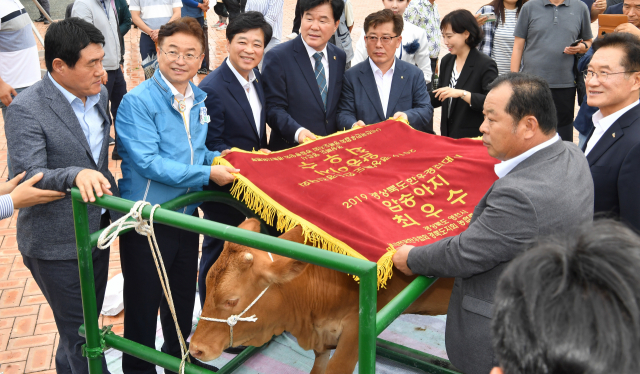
572 305
462 20
629 43
336 5
67 38
184 25
531 97
384 16
249 21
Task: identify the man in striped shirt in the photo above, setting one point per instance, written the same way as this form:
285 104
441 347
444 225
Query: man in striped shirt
272 11
14 196
149 15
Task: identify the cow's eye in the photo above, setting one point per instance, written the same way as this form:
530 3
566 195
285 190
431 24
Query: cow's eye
231 303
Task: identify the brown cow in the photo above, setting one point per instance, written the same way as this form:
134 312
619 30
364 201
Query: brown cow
317 305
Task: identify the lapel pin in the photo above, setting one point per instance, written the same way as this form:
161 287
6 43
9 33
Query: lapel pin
334 57
402 77
614 134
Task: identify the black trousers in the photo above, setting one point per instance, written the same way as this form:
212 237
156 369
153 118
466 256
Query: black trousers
45 6
564 100
205 61
143 293
60 284
297 20
116 88
234 7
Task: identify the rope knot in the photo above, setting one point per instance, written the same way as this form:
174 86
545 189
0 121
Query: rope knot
231 321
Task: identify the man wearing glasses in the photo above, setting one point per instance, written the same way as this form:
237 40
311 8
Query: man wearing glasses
376 89
162 127
613 145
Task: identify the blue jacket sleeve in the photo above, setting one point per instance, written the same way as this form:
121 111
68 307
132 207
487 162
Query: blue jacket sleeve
138 134
275 91
420 115
190 3
347 105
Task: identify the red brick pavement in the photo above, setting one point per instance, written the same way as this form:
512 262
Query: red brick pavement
28 335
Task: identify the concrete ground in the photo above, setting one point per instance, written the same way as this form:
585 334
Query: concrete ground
28 335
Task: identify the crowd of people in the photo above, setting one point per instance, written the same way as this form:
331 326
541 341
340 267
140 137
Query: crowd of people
511 77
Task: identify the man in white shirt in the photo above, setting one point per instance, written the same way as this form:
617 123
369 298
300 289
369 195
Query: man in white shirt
375 89
237 109
414 48
613 147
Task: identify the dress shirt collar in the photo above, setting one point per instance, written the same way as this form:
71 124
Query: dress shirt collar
312 51
376 69
603 123
188 92
90 102
243 82
505 167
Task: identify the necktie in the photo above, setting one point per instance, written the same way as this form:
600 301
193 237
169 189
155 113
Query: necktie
320 77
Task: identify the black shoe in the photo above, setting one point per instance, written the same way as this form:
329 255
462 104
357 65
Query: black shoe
46 21
204 71
235 350
115 156
112 141
41 19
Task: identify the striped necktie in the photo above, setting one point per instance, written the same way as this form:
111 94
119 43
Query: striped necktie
320 77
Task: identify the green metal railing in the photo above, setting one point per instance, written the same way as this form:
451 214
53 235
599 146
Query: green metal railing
370 324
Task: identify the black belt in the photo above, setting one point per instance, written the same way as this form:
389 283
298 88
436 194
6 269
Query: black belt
13 15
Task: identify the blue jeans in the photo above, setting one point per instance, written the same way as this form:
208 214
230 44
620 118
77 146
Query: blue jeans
4 113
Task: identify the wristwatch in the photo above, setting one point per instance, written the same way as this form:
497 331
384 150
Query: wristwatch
464 93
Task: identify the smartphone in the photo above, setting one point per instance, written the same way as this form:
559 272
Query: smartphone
491 17
575 43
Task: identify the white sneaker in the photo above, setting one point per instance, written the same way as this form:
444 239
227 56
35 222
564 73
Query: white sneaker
217 24
222 27
293 35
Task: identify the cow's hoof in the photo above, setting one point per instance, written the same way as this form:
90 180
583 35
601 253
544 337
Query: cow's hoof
235 350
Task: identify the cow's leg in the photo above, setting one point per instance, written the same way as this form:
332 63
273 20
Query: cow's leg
320 364
346 355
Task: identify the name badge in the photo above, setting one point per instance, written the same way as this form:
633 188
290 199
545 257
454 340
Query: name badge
204 118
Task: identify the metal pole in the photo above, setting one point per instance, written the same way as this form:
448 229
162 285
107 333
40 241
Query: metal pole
46 15
401 302
92 349
367 321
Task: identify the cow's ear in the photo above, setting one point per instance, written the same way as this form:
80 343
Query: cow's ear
285 269
250 224
294 235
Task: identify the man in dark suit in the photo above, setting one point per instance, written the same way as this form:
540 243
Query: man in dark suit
303 78
613 146
527 202
383 86
60 127
236 107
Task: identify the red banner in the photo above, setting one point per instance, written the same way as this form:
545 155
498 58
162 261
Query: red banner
367 191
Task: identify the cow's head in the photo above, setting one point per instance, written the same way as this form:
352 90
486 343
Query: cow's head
239 275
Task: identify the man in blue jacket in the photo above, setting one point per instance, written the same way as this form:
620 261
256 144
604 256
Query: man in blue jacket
162 127
383 86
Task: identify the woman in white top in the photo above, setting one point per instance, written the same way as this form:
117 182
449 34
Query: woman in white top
498 34
414 48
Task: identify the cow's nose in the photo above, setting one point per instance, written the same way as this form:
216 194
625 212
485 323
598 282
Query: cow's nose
195 352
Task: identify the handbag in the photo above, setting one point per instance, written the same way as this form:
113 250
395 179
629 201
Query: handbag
608 22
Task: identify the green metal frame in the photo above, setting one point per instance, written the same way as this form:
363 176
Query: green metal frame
371 325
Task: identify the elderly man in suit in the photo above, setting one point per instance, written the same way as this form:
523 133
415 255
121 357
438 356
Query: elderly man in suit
60 127
527 202
303 79
383 86
613 145
236 106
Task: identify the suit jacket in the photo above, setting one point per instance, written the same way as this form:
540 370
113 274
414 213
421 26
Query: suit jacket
232 122
44 135
615 167
464 120
292 94
529 203
361 101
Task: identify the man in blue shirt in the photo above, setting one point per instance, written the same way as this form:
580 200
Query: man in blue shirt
197 9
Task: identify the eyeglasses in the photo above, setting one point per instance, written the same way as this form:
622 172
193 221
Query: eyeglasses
602 76
173 56
384 39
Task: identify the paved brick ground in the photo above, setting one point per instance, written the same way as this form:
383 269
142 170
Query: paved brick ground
28 335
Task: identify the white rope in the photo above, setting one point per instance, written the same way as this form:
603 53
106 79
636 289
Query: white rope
234 319
143 227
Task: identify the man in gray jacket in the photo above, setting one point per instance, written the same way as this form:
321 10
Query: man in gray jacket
59 127
103 15
530 200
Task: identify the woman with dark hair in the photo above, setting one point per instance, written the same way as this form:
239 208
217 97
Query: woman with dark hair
465 75
498 34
